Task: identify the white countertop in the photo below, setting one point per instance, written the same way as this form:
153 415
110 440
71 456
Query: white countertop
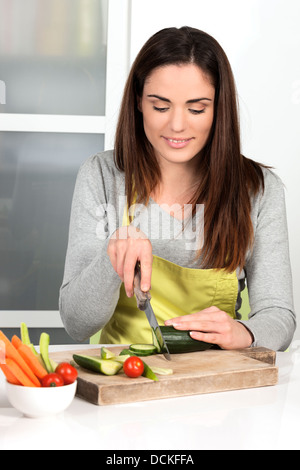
261 418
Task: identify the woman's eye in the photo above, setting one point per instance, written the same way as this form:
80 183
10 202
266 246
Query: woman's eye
161 110
197 111
192 111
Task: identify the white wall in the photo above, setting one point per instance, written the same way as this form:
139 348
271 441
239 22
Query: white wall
262 41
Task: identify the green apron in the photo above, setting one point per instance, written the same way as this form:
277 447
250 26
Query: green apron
175 291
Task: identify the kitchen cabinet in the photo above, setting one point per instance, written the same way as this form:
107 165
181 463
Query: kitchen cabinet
59 94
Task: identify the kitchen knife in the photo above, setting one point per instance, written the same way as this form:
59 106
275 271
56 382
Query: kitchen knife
143 303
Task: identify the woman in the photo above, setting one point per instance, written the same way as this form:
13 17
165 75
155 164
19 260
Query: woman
177 150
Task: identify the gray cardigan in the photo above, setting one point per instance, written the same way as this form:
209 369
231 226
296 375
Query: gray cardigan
90 288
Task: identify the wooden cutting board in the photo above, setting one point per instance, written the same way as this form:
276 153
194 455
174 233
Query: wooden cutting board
193 373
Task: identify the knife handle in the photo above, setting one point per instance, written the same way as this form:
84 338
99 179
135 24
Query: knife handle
141 297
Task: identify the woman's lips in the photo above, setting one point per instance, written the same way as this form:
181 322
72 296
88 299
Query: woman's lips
177 143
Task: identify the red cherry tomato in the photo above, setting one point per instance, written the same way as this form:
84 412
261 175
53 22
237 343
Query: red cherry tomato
53 380
68 372
133 367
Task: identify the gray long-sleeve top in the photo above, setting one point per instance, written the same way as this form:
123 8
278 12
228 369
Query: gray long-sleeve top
90 288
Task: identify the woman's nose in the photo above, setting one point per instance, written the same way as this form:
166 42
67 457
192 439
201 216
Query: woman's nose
177 121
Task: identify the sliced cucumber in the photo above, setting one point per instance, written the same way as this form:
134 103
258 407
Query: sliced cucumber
126 352
122 358
143 349
25 338
102 366
25 334
43 357
162 371
148 373
44 346
53 364
155 341
106 353
111 366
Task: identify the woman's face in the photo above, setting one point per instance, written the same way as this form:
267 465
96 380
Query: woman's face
178 110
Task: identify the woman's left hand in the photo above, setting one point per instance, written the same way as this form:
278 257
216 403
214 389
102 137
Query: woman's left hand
212 325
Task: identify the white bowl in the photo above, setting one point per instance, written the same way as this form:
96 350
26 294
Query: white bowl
40 402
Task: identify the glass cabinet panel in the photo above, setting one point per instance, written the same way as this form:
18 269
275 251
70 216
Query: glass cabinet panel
53 56
37 177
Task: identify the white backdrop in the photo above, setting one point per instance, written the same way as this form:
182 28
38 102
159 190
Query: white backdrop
262 41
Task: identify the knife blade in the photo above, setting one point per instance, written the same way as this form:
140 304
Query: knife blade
143 303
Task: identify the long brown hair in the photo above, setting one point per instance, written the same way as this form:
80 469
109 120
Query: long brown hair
228 179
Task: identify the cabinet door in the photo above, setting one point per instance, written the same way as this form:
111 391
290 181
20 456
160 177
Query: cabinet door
53 56
63 65
37 177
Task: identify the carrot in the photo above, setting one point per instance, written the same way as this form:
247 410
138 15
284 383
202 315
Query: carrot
19 374
12 353
16 342
28 356
9 375
32 361
2 352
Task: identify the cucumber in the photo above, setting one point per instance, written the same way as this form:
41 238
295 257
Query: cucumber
102 366
106 353
25 338
155 340
53 364
44 345
25 334
143 349
43 358
161 371
179 341
148 373
126 352
122 358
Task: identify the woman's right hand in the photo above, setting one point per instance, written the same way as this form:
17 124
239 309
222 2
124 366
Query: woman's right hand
127 246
